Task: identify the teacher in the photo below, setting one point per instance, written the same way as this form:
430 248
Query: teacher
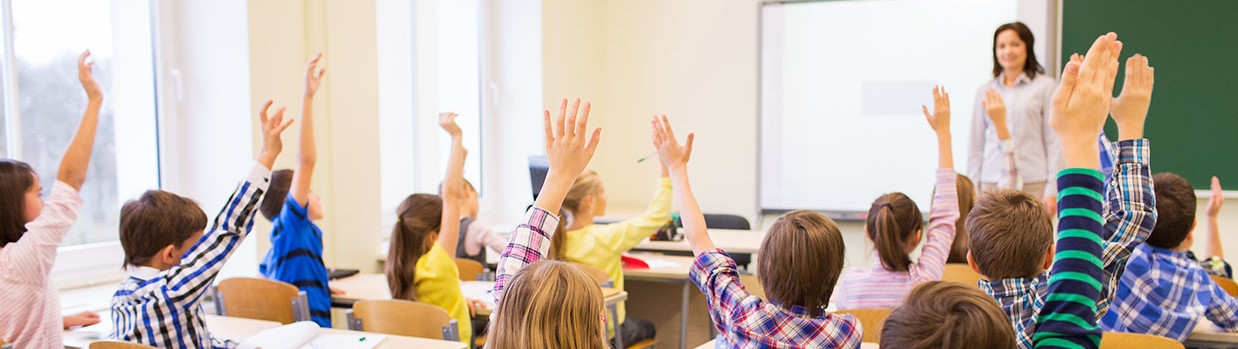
1019 95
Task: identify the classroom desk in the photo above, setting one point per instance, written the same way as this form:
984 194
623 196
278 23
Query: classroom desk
731 241
374 286
237 329
673 269
865 345
1207 335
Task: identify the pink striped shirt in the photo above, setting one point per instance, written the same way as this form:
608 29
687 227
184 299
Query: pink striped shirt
879 288
30 315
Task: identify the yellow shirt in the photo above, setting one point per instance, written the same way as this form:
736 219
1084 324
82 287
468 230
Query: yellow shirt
438 283
601 245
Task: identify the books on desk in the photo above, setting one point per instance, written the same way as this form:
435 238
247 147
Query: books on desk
307 335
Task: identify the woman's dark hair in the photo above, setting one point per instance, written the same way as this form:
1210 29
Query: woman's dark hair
16 177
1031 67
892 220
420 215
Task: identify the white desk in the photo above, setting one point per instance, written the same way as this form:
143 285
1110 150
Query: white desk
374 286
237 329
1207 335
731 241
672 269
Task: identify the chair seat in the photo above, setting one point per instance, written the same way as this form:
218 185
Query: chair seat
648 343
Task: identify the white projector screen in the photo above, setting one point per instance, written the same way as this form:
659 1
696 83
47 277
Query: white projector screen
842 83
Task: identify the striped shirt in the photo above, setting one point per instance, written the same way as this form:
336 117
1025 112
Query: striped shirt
30 315
163 309
1069 315
747 321
882 288
1130 215
1166 293
295 257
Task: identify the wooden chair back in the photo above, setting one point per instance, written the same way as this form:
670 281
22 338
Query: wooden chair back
403 318
261 299
871 319
118 345
1226 284
469 269
1121 340
961 272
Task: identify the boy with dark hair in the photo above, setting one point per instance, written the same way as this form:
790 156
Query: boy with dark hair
1165 292
295 256
160 303
1011 239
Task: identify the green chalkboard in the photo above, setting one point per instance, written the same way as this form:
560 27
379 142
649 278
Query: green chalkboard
1193 121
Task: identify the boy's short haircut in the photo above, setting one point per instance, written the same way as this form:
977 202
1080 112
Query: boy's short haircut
1175 210
273 203
944 314
798 242
1010 233
154 221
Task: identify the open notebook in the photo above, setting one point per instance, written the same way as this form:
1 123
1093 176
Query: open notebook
307 335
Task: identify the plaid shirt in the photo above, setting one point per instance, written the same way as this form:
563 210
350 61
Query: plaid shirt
528 244
1165 293
163 309
747 321
1129 217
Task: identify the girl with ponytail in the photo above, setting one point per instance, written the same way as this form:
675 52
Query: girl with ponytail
895 225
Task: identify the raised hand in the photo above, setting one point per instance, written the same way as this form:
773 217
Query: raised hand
995 108
674 156
1130 109
568 151
1217 198
939 119
447 120
85 71
313 76
272 128
1082 99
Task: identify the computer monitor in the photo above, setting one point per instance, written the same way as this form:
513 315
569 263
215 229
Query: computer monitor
538 166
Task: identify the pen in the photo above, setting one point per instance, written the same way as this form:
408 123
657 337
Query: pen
646 157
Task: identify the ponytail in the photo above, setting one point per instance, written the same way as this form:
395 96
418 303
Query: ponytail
892 220
559 238
420 216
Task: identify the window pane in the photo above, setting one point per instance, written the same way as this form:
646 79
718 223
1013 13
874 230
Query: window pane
48 36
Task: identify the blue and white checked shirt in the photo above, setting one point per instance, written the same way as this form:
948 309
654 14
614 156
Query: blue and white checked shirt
1130 216
163 309
1165 293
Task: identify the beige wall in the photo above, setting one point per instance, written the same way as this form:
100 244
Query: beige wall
283 36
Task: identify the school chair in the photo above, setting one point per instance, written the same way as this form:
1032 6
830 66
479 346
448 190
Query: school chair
871 320
470 270
961 272
1122 340
1226 284
118 345
403 318
726 221
261 299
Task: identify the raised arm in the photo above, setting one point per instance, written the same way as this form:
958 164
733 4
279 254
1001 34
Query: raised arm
568 151
675 159
202 263
1214 209
308 151
945 210
77 156
453 185
995 108
1068 317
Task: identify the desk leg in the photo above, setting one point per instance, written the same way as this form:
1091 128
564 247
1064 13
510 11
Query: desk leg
683 315
614 319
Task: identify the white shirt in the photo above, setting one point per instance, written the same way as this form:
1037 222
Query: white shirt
1028 103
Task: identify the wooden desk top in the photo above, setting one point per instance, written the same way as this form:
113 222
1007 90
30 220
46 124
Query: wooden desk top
237 329
733 241
374 286
1207 335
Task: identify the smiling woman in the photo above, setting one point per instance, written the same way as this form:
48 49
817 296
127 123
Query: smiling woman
1017 100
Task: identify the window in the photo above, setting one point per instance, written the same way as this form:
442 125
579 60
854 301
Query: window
43 101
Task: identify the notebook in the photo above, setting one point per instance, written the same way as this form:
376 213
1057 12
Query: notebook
307 335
